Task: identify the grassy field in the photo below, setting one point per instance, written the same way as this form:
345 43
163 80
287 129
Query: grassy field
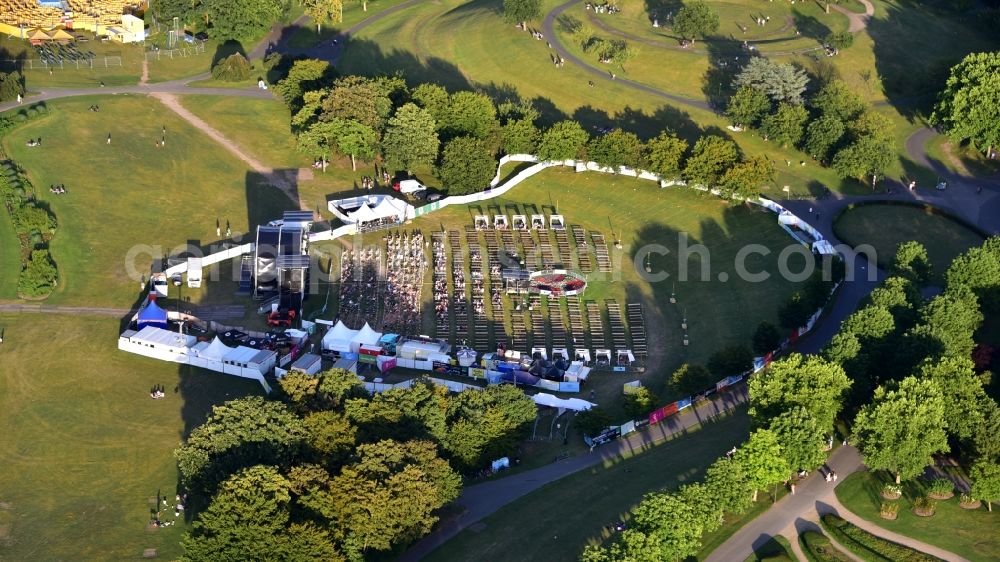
85 449
886 226
127 73
268 140
131 193
973 534
571 512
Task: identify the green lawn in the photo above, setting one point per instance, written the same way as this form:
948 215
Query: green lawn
973 534
127 73
84 447
886 226
960 158
130 193
568 514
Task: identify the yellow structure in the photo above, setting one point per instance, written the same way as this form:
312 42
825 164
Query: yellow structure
18 17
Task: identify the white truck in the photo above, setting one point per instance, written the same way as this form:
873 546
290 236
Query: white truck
194 273
409 186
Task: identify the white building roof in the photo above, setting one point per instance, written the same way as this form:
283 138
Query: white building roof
159 336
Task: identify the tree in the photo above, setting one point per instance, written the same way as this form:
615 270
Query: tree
795 312
410 139
485 425
802 439
691 379
730 360
969 106
330 436
869 323
822 136
434 99
620 52
237 435
747 106
617 149
355 140
39 276
592 421
320 139
762 461
839 40
836 99
985 477
251 514
694 19
469 114
640 403
361 99
519 136
867 157
746 179
466 166
902 428
234 68
729 486
987 436
781 82
11 85
673 525
711 157
806 381
953 317
663 155
242 19
563 141
785 125
962 392
978 269
766 338
324 11
521 11
911 262
305 75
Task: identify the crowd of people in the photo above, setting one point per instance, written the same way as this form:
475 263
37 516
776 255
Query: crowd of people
605 8
157 392
405 265
441 275
359 283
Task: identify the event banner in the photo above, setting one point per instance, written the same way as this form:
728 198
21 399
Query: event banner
449 369
477 373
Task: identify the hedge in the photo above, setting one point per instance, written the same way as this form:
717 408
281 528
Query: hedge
818 548
870 547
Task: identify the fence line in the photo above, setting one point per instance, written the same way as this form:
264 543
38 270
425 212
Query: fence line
171 54
39 64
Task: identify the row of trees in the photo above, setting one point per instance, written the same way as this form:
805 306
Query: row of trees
244 19
834 126
329 472
462 133
793 406
914 356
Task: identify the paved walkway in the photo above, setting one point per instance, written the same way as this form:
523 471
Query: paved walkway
813 498
481 500
857 21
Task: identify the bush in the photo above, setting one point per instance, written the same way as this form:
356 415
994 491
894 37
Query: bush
20 117
689 379
891 491
640 403
795 312
840 40
941 487
732 360
39 276
889 510
924 506
592 421
766 338
868 546
31 113
234 68
41 108
818 548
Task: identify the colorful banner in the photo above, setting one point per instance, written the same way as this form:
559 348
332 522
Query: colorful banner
685 403
386 363
448 369
477 373
571 386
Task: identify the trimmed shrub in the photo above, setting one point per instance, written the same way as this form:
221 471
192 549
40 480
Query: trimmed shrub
39 276
941 489
818 548
868 546
924 506
234 68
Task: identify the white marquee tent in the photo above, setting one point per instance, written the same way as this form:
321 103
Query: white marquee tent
365 336
338 338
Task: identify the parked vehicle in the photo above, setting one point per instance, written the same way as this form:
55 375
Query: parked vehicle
409 186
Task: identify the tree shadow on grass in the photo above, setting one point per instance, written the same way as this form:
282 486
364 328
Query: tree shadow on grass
226 49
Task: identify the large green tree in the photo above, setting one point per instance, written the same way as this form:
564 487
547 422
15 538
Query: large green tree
563 141
962 391
469 114
762 461
663 155
243 19
747 106
673 525
836 99
617 149
250 514
691 378
696 19
410 139
801 437
730 487
902 428
985 477
467 166
748 178
822 136
324 11
521 11
969 106
911 261
361 99
781 82
786 124
305 75
806 381
239 434
519 136
711 157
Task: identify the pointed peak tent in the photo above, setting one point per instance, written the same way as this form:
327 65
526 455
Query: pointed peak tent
216 350
366 336
151 315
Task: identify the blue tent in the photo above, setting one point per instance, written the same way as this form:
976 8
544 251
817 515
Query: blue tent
152 315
